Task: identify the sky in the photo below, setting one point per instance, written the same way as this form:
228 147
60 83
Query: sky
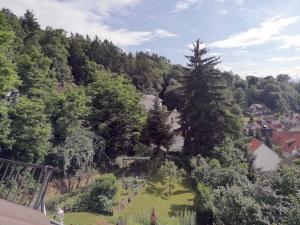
252 37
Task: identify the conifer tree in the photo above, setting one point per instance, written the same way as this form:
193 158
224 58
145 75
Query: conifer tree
156 130
55 46
206 119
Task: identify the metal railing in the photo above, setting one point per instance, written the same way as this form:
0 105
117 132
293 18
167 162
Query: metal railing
24 183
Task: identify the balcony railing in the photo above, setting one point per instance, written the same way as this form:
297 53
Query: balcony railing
24 183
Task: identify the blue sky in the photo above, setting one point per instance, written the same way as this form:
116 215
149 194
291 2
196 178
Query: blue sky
258 37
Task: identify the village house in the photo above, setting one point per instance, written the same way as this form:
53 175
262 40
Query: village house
258 110
178 140
148 101
265 158
173 120
287 141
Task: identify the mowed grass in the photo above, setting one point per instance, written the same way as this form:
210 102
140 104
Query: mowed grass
154 195
83 218
167 206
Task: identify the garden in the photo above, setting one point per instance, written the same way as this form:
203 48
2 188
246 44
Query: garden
109 200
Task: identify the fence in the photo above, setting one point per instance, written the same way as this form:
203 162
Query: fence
24 183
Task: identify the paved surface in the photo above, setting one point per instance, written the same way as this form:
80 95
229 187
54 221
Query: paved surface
12 214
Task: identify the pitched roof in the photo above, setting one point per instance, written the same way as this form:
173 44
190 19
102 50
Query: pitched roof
287 140
148 101
254 144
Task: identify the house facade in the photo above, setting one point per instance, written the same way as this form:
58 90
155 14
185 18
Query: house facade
258 110
287 141
265 158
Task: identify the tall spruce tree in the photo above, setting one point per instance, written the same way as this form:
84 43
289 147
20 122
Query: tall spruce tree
206 119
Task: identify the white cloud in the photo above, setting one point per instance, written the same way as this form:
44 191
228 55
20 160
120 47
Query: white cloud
284 59
185 4
86 17
258 35
288 41
223 12
239 2
216 53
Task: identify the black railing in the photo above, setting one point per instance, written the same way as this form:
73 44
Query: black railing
24 183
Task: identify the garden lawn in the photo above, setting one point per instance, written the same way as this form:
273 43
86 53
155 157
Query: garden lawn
84 219
155 196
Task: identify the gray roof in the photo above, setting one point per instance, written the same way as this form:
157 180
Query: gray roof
147 101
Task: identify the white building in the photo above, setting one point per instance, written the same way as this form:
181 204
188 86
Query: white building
265 158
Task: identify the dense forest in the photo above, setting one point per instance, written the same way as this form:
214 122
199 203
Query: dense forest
72 101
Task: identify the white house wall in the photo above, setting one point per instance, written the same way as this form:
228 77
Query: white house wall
266 159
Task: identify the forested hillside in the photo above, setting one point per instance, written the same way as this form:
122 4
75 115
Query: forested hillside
72 101
66 85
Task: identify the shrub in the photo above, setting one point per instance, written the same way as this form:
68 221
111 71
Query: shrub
187 218
102 196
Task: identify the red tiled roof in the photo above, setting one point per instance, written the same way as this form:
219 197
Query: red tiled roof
287 140
254 144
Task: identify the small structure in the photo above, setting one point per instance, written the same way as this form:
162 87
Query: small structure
287 141
178 140
148 101
173 120
258 110
60 215
143 163
265 158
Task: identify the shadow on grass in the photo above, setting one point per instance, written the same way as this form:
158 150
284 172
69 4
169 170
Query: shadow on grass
158 192
176 209
180 192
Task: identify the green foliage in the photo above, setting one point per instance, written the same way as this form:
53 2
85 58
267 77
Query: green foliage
156 130
293 215
203 198
232 207
55 46
9 79
249 204
287 182
78 57
29 23
30 129
149 71
187 218
211 173
74 154
67 110
131 183
170 174
6 140
206 119
74 202
103 194
116 117
34 70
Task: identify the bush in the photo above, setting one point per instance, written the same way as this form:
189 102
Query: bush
187 218
102 196
73 202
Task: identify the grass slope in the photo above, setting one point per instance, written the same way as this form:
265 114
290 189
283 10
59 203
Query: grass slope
154 195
